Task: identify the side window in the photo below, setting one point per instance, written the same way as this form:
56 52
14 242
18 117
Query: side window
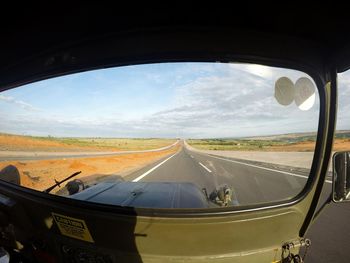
342 137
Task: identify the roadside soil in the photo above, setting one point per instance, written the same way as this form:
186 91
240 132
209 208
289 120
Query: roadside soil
41 174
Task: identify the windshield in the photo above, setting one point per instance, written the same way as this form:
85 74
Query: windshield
169 135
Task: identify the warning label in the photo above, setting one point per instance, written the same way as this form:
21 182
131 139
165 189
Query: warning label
72 227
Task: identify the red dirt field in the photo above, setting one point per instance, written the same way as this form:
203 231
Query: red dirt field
40 175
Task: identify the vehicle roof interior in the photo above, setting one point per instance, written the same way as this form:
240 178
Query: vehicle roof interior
34 34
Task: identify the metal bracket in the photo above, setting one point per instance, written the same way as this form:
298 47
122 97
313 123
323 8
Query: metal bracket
287 255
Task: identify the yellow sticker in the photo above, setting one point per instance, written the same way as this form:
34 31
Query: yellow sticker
73 227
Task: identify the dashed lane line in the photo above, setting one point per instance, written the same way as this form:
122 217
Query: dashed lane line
206 168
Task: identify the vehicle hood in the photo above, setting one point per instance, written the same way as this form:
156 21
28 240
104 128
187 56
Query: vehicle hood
146 195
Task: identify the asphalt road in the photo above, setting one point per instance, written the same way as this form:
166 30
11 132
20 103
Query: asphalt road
330 233
207 171
252 185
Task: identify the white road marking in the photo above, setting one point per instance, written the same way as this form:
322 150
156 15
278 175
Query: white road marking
264 168
152 169
192 156
347 196
206 168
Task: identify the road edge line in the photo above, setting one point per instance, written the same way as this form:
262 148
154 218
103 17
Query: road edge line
153 168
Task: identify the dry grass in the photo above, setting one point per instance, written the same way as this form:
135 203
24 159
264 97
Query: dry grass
267 146
27 143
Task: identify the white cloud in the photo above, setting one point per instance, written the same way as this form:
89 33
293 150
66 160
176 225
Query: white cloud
258 70
20 103
235 105
221 101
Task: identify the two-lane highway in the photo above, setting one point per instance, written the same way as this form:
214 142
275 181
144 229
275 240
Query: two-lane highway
252 184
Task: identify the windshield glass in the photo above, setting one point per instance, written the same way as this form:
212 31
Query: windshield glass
169 135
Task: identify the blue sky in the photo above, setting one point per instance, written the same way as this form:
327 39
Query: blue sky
189 100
